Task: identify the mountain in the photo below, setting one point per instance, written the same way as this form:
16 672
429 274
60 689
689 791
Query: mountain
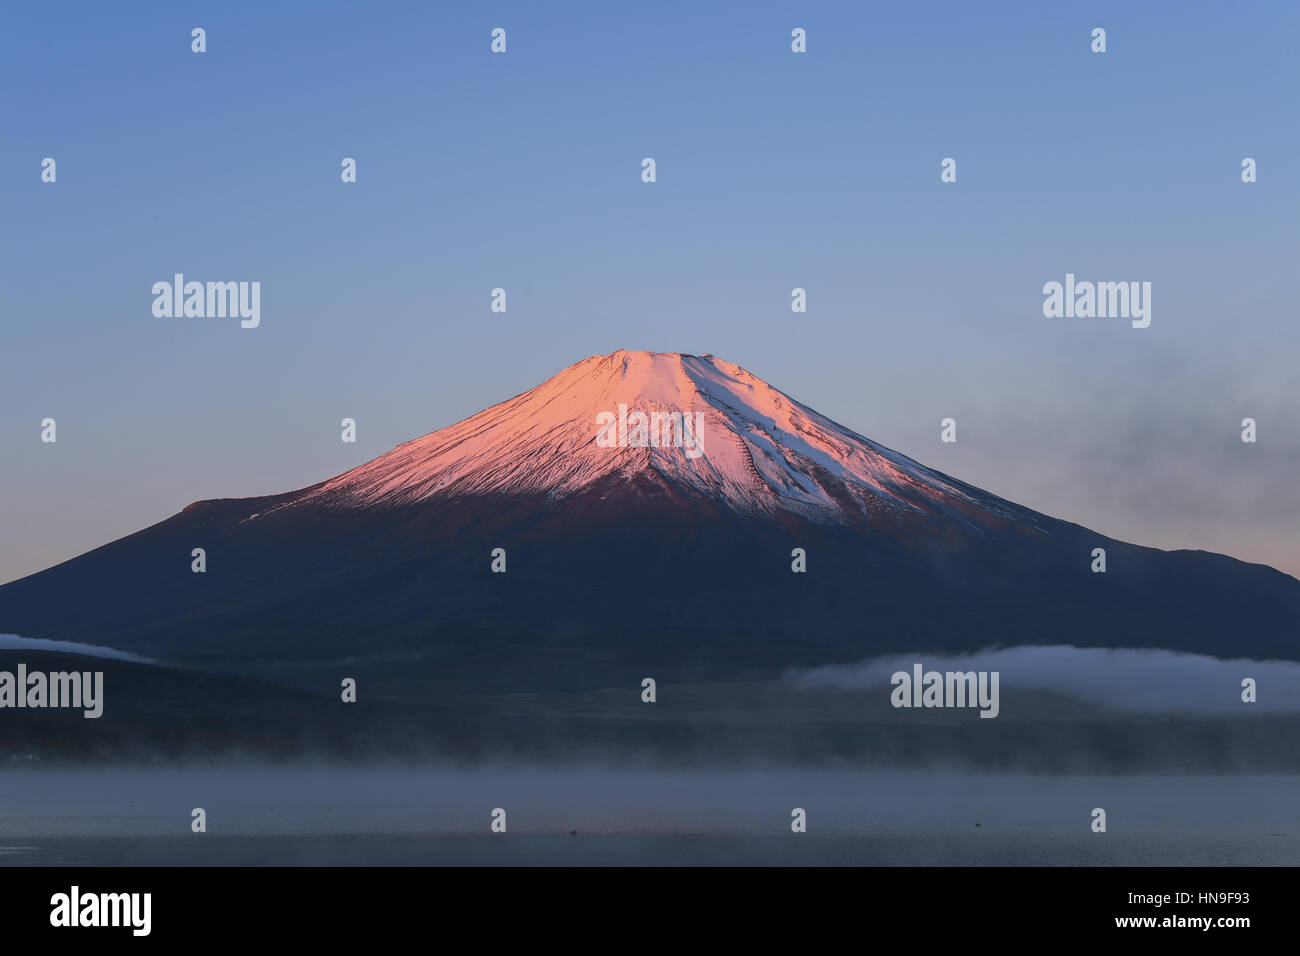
759 452
626 560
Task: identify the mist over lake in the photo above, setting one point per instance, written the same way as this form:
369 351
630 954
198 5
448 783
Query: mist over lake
322 815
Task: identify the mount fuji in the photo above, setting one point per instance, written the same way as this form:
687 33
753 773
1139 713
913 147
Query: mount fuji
631 552
760 452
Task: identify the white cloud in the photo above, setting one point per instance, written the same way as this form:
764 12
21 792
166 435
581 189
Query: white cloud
12 642
1141 680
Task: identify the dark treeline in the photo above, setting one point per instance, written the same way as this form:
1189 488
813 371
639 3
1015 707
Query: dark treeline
163 716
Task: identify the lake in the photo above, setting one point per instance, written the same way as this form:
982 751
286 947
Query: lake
332 816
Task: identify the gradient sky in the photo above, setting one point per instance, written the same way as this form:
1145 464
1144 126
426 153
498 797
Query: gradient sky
775 170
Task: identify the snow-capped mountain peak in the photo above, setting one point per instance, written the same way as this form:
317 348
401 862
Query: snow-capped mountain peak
699 423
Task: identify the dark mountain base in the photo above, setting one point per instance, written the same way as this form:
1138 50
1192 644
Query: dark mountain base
625 581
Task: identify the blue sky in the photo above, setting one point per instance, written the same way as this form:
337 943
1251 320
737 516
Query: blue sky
775 170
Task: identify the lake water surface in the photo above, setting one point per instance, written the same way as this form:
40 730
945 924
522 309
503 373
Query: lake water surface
432 817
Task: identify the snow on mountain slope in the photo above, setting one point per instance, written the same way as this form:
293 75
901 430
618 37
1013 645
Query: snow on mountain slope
759 451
